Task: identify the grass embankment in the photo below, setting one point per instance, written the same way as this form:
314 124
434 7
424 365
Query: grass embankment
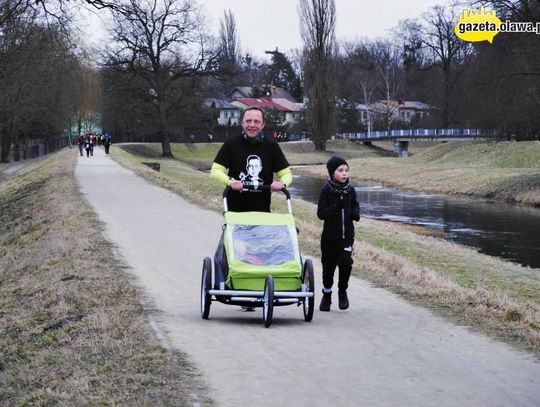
201 155
508 171
492 296
73 327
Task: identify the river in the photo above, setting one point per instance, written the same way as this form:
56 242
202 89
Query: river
495 228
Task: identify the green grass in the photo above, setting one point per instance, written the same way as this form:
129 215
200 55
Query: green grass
524 154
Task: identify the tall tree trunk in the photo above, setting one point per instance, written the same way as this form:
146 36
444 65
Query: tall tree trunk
16 147
446 96
5 144
165 144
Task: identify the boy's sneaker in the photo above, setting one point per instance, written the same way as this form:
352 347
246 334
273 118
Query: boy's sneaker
343 299
326 301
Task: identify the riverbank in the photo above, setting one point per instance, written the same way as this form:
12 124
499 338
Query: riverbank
498 298
506 171
74 329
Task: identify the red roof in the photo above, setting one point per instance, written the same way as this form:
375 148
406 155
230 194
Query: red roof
263 104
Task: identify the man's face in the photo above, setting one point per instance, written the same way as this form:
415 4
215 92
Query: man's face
252 123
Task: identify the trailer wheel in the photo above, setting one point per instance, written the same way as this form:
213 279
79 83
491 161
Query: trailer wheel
268 301
206 284
309 283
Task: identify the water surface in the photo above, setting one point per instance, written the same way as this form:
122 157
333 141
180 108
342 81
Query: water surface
494 228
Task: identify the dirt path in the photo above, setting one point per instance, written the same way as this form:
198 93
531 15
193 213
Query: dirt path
381 352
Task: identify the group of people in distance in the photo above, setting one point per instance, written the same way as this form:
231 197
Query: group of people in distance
88 141
252 159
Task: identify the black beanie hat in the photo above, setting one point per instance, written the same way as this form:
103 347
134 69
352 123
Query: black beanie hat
333 163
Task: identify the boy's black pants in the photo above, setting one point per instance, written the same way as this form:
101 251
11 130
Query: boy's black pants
333 254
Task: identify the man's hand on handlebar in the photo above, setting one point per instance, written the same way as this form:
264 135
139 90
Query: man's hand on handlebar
236 185
277 186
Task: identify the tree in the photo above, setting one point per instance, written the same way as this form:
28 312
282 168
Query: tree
127 113
387 64
37 66
274 121
317 26
229 53
280 73
359 79
161 42
443 49
516 10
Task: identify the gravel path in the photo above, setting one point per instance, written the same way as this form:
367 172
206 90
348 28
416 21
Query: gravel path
381 352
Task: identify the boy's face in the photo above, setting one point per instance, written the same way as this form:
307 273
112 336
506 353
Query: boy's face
341 174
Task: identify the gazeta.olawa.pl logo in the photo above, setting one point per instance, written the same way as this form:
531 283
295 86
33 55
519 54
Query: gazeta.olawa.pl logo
475 26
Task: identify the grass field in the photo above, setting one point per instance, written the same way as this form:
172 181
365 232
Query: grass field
499 298
73 328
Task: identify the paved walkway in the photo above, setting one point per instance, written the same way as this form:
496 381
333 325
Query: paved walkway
381 352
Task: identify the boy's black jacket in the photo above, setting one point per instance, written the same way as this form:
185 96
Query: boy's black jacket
330 211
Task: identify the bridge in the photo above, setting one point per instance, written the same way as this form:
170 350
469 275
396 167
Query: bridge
402 137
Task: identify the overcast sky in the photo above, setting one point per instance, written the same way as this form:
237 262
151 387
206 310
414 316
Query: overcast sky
267 24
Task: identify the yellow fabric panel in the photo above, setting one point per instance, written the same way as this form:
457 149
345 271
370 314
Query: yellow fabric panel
219 173
285 176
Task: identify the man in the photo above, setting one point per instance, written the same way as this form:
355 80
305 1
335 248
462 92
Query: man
106 141
80 142
251 158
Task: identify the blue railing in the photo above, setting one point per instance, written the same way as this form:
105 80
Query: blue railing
420 133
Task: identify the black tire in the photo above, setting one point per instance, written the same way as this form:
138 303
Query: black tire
268 301
206 284
309 282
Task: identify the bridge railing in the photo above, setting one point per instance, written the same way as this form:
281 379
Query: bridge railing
420 133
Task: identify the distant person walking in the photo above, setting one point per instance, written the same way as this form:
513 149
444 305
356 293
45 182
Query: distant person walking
88 146
106 142
338 208
93 142
80 142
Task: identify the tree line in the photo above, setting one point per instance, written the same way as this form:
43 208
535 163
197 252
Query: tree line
161 63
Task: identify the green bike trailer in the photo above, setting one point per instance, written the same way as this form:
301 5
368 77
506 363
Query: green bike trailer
258 264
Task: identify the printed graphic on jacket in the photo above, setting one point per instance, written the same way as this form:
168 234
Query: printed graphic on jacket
253 169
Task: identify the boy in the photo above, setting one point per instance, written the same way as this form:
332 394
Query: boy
338 207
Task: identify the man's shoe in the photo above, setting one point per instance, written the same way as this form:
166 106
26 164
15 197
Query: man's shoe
326 301
343 299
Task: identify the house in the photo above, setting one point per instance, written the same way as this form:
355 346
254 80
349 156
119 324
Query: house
398 110
291 112
228 110
267 91
229 114
364 112
409 109
294 113
265 104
